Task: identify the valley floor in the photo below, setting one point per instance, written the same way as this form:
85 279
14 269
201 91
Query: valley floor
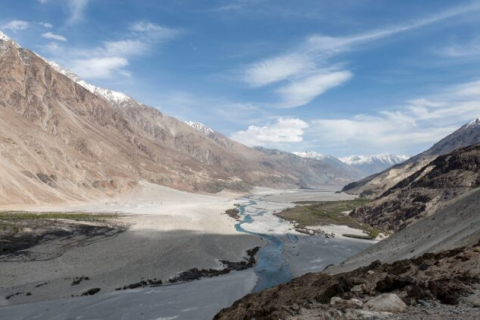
168 231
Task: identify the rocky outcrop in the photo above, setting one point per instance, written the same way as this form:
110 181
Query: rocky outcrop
425 192
378 290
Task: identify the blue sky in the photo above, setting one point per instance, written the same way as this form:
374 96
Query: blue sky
336 77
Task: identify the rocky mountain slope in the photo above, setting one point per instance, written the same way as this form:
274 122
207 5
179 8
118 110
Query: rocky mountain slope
443 283
456 225
63 139
425 192
375 163
376 184
467 135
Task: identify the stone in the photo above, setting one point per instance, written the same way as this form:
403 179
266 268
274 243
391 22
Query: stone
336 300
474 301
387 302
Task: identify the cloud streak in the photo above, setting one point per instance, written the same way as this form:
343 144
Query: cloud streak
284 130
110 58
418 122
16 25
314 54
76 10
53 36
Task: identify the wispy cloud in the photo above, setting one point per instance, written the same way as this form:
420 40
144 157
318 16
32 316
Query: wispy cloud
467 50
301 92
16 25
313 57
50 35
45 25
76 10
111 57
283 130
418 122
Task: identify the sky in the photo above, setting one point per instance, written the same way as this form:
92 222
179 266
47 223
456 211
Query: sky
336 77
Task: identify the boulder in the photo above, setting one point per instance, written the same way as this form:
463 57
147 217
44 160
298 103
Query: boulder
387 302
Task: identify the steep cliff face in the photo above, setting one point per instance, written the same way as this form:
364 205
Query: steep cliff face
63 139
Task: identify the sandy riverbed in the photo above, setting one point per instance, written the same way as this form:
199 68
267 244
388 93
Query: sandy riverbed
169 231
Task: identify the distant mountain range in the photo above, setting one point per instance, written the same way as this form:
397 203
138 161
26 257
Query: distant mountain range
365 164
63 139
375 163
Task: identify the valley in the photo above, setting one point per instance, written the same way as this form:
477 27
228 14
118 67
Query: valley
154 247
315 160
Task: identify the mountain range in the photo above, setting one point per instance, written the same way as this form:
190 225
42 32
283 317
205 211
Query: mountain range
424 184
366 164
375 163
64 139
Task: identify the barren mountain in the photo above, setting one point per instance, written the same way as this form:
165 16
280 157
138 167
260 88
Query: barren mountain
63 139
376 184
375 163
424 192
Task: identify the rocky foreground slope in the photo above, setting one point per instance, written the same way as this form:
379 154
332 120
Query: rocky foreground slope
62 139
444 285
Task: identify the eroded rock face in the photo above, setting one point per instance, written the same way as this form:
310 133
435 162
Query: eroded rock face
61 142
425 192
374 291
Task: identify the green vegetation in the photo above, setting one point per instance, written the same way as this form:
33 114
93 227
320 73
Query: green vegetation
80 216
10 220
312 213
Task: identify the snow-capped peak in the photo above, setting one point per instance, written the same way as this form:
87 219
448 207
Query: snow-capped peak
4 37
312 155
114 97
200 127
474 123
384 158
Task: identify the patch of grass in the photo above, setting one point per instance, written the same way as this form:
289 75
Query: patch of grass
313 213
12 216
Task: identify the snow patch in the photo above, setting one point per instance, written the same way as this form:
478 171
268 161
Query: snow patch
200 127
114 97
312 155
384 158
474 123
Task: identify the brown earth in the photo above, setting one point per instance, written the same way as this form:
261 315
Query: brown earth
60 142
425 192
429 282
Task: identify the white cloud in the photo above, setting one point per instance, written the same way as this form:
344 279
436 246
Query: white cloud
42 1
284 130
99 67
76 9
277 69
110 57
419 122
299 93
154 30
16 25
50 35
45 25
314 53
471 49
